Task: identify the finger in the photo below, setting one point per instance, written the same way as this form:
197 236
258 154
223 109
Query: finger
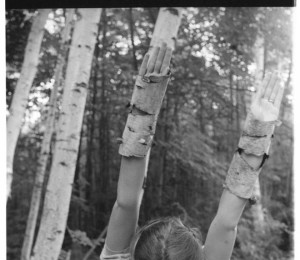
270 86
160 57
152 59
143 67
166 61
279 95
275 90
262 88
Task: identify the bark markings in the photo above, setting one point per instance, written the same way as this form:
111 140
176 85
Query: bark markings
165 30
20 98
259 55
60 183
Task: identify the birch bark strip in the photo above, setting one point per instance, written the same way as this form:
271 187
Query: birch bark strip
45 150
257 209
59 188
165 30
20 98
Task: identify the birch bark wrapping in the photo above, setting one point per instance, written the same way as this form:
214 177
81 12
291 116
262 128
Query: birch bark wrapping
256 140
141 122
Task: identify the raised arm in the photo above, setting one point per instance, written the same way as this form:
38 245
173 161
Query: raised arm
134 149
245 167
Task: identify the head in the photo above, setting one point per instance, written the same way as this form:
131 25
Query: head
167 239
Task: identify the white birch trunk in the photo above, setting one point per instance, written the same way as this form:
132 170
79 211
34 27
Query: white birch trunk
20 98
45 150
166 26
165 30
59 188
259 58
257 209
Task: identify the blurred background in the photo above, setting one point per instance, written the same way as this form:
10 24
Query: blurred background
218 52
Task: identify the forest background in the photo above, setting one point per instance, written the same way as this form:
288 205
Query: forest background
199 125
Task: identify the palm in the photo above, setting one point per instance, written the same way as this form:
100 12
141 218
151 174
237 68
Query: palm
264 110
157 64
266 102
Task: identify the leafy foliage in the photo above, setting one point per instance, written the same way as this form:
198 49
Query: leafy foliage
80 237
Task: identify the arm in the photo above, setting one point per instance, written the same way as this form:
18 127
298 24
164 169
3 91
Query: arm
222 232
124 217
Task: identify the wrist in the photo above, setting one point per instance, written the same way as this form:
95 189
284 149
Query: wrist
253 160
250 156
257 135
145 105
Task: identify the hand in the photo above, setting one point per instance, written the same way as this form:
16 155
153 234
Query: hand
159 61
266 101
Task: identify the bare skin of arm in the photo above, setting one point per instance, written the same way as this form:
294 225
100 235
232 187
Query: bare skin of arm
222 232
124 217
125 213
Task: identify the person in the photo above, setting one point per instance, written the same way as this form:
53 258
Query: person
169 238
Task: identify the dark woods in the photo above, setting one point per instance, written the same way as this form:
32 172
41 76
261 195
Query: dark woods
197 133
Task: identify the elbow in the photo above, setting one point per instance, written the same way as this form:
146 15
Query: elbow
229 227
232 228
226 224
127 203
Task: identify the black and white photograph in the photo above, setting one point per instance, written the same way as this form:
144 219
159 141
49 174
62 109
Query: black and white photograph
150 133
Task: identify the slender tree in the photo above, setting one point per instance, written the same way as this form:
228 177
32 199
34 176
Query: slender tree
19 101
131 26
166 27
59 188
87 159
165 30
46 143
257 209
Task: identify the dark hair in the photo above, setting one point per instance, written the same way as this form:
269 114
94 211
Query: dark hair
167 239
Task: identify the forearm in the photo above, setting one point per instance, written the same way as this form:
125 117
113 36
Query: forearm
135 145
213 247
231 206
253 160
222 231
245 167
131 179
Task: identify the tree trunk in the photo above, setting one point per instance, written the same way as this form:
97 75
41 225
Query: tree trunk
237 108
166 27
161 152
104 183
45 151
19 101
259 57
57 200
201 116
75 219
165 30
131 26
231 137
90 162
257 209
